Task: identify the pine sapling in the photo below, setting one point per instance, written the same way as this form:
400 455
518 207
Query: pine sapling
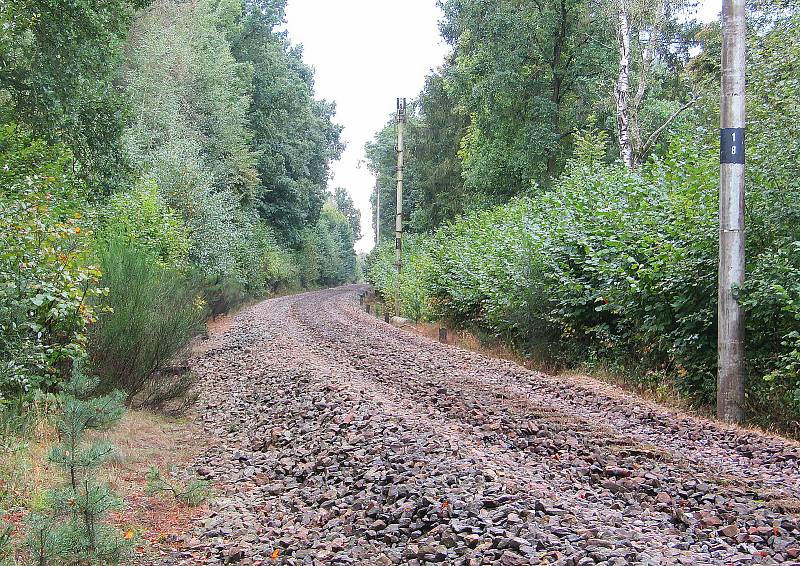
71 528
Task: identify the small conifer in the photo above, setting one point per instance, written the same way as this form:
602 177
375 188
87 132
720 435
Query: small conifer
70 528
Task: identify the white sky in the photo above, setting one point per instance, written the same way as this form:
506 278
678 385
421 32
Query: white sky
366 53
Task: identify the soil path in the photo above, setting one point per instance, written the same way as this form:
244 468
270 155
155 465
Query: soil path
344 440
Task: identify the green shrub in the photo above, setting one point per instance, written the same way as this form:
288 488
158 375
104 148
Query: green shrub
47 280
281 269
610 266
221 295
618 268
308 258
152 314
140 217
325 256
337 256
771 298
192 493
70 529
414 279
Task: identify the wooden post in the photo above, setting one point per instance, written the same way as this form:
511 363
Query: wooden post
731 374
369 308
443 335
398 223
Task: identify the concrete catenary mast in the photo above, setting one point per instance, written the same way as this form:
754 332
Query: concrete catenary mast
398 223
731 377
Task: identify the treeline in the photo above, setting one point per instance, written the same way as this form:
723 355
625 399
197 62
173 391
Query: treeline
562 183
160 162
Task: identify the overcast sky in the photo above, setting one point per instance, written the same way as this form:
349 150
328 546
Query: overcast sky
366 53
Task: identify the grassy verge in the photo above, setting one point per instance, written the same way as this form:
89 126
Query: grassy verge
143 439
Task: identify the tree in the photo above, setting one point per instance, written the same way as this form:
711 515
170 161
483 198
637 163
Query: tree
59 61
381 160
344 203
434 188
190 100
666 48
437 191
293 134
71 530
337 258
189 96
526 73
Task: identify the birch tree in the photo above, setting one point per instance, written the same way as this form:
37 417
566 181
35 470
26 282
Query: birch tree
642 38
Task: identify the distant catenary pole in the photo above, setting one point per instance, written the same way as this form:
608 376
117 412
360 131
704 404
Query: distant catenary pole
398 223
377 212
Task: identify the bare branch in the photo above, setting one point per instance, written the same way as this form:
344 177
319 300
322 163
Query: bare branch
655 135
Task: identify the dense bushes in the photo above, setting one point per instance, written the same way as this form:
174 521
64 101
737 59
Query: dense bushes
151 314
47 280
141 217
602 264
127 270
414 281
617 267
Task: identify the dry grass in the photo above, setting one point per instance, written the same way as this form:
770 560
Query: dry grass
469 341
599 379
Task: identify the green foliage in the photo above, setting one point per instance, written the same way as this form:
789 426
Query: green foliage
611 265
46 278
189 96
228 129
308 258
337 258
193 493
326 256
414 279
293 134
221 295
152 314
58 62
141 218
601 265
499 118
618 267
434 189
344 203
527 76
70 529
282 269
183 137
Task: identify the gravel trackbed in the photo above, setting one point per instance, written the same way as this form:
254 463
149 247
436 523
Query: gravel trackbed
343 440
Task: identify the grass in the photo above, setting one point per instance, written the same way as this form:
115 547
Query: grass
143 439
24 473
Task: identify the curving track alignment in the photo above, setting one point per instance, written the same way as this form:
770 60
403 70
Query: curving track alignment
343 440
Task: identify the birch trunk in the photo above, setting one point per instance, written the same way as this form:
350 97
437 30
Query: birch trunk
622 89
